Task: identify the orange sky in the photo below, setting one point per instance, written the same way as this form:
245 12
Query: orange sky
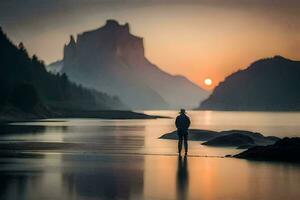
198 40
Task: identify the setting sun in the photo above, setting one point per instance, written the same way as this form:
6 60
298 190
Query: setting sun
208 82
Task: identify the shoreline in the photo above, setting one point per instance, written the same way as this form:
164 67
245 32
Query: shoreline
98 114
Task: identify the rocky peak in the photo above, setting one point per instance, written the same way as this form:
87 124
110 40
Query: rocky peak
111 40
70 49
72 41
114 26
112 22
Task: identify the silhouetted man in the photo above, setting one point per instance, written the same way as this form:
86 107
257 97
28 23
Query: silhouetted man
182 124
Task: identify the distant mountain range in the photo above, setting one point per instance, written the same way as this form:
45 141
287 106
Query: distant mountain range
271 84
26 85
112 60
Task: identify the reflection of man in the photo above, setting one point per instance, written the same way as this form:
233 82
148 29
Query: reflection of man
182 124
182 178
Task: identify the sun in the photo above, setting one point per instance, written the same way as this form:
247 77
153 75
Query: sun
208 81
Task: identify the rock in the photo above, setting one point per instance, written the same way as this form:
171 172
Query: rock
194 135
246 146
238 138
286 149
257 137
234 140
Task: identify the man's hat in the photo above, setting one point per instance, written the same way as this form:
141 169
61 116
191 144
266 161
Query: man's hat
182 111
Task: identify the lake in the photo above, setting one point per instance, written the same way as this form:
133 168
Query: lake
124 159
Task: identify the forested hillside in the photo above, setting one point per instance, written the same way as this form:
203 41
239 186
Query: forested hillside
25 84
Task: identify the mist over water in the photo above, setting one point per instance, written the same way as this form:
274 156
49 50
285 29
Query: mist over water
124 159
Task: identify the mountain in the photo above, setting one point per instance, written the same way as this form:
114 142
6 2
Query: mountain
112 60
26 85
271 84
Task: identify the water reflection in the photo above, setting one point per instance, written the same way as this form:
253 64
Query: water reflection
125 160
18 177
19 183
20 129
114 178
72 177
130 177
112 139
182 178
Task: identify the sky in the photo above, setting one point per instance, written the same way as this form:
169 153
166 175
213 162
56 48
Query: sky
196 38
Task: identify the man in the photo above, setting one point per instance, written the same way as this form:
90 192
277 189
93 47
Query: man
182 124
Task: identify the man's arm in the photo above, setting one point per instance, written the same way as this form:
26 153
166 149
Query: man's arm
188 122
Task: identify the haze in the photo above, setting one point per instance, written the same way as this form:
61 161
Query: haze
198 39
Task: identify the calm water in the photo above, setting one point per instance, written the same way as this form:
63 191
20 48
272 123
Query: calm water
124 159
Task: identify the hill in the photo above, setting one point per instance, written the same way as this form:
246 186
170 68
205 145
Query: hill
271 84
25 85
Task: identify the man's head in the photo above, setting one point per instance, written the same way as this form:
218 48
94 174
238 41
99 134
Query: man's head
182 111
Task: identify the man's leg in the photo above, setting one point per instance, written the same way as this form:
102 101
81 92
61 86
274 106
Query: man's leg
185 143
180 138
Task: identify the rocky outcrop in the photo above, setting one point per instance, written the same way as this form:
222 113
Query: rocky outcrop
112 60
286 149
194 135
271 84
232 138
